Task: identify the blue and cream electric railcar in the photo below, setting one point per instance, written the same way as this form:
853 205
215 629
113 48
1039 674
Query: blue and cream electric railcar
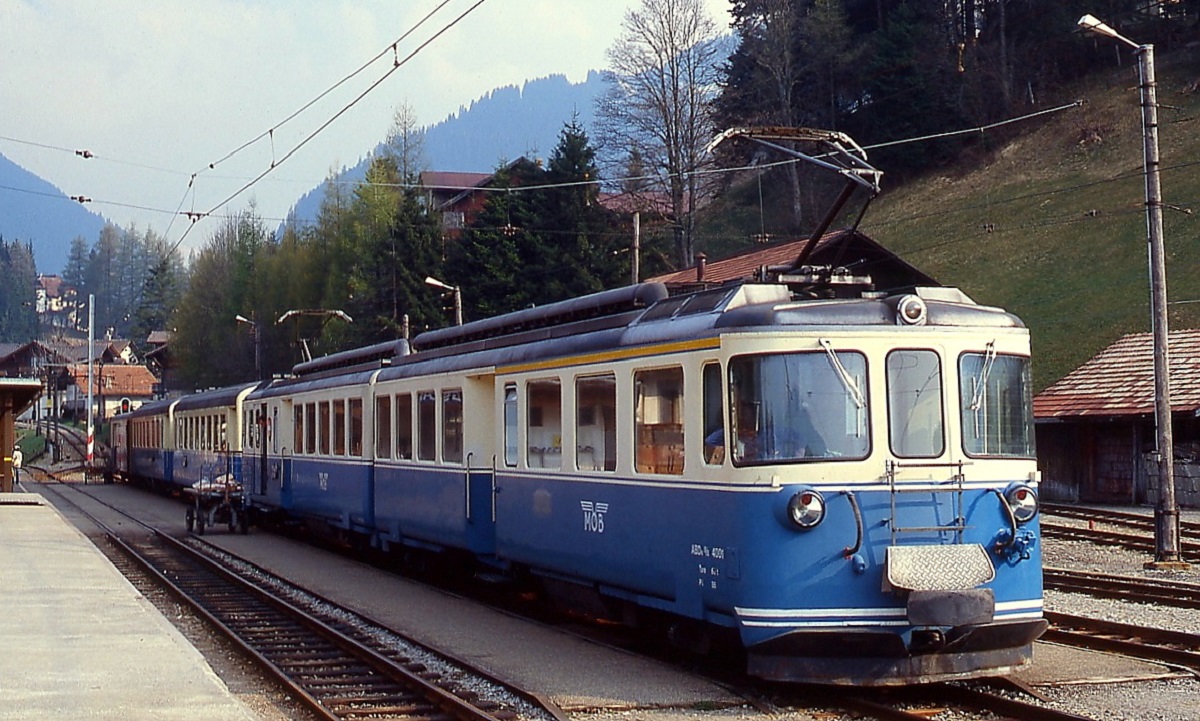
848 485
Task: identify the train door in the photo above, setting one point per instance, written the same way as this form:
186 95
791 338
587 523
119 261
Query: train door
266 433
478 434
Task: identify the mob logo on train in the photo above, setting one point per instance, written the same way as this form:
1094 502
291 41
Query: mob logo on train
593 516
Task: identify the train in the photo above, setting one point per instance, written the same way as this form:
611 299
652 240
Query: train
843 484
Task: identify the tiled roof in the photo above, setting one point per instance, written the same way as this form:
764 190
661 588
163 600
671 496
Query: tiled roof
1119 381
159 337
114 380
450 180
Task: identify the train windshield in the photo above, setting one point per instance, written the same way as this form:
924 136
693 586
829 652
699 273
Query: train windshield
996 402
798 407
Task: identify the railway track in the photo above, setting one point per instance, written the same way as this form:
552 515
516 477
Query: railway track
1129 519
1126 588
325 656
921 703
312 659
1138 537
1150 644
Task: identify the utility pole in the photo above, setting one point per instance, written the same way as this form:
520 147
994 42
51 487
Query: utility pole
91 429
1166 513
635 253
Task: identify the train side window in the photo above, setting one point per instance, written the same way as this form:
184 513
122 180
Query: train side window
596 423
714 418
543 431
297 429
658 421
324 427
915 421
452 426
356 427
339 427
383 427
426 426
404 426
511 425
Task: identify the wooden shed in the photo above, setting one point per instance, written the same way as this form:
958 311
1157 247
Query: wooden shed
1095 426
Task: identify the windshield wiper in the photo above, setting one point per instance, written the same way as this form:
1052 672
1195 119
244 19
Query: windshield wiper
989 357
847 380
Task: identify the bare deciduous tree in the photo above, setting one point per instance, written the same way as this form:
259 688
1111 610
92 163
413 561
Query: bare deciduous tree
663 72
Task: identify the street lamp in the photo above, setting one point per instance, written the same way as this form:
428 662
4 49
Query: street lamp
1166 514
429 280
257 343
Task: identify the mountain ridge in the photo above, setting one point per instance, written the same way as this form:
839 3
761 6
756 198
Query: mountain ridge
36 211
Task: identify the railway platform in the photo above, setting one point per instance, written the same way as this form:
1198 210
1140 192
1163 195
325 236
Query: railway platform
78 641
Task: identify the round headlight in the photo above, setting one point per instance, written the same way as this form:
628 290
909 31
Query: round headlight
806 509
911 310
1023 501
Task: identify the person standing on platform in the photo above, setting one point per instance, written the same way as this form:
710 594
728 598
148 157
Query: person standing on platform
17 457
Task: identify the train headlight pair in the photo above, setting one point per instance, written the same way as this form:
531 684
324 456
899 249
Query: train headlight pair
1022 501
806 509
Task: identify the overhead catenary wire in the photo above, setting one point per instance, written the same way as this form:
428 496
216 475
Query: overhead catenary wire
197 215
396 65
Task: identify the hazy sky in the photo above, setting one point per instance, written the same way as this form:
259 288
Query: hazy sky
157 90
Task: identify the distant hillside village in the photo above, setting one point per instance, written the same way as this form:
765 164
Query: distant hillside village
122 379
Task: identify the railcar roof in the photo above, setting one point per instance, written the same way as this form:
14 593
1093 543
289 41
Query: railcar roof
291 386
152 408
214 398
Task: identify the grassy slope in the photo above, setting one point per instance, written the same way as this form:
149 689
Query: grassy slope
1067 250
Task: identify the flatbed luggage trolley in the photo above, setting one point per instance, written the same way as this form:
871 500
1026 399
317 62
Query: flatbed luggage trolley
216 500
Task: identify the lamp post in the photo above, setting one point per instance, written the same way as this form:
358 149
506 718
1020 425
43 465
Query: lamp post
1166 514
257 344
429 280
91 429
